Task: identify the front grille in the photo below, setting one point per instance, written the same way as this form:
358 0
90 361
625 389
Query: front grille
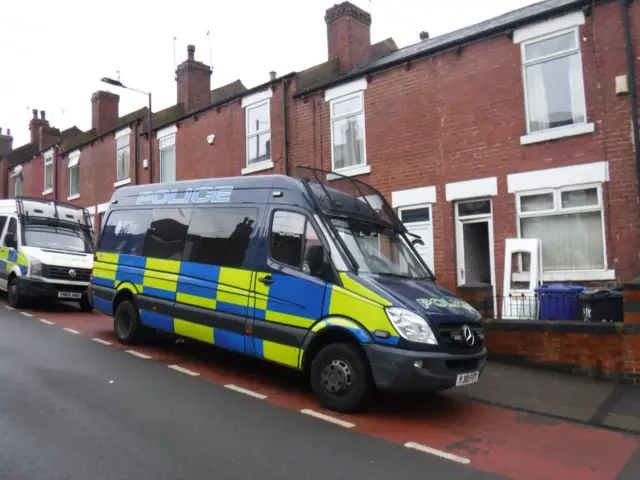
62 273
70 288
452 336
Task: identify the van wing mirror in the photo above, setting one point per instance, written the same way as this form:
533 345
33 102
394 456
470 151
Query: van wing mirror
10 240
314 258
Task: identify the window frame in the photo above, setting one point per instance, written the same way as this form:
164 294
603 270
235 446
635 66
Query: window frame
48 163
170 139
332 119
558 210
127 147
308 219
524 63
249 136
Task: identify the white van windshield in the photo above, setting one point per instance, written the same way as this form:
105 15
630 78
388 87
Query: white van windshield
58 238
379 249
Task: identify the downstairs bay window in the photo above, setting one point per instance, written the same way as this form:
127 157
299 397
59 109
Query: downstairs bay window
569 223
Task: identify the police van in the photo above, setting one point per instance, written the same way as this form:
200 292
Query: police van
314 273
46 251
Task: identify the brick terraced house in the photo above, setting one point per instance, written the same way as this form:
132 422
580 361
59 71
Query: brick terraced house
520 126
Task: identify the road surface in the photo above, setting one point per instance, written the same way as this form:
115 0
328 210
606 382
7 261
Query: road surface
74 404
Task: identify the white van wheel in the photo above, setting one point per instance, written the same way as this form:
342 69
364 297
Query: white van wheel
13 294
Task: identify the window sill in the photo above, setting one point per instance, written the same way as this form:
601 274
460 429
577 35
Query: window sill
556 133
257 167
120 183
48 191
350 172
73 197
569 275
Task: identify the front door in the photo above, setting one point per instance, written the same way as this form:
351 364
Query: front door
288 299
418 222
474 242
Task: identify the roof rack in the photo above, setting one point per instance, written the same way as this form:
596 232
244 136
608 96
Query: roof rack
73 217
330 202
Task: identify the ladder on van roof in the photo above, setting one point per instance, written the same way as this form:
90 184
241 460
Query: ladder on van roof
74 217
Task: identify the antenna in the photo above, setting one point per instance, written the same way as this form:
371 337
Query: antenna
210 49
174 57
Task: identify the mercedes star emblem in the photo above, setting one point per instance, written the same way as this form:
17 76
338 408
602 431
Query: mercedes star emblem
468 335
72 274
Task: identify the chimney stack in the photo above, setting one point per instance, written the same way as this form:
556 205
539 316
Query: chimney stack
104 111
6 143
35 127
348 35
424 35
272 75
194 82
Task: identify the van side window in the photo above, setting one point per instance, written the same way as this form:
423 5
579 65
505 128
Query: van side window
166 233
220 236
12 228
291 237
125 231
3 222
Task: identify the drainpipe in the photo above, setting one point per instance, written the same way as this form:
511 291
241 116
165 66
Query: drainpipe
285 149
624 6
136 154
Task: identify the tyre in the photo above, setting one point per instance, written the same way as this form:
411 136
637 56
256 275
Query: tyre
13 294
85 304
126 323
341 378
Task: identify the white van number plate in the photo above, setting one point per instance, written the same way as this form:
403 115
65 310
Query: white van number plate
69 295
467 378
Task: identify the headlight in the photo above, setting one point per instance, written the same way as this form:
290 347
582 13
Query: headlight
35 267
411 326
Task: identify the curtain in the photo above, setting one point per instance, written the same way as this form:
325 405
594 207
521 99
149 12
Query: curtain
537 98
168 164
576 93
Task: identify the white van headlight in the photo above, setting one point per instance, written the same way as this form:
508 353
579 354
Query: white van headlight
411 325
35 268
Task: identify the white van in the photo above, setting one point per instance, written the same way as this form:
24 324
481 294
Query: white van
46 251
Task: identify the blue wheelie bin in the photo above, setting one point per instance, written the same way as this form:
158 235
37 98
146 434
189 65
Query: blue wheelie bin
559 301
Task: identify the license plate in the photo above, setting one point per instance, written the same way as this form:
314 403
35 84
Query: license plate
69 295
467 378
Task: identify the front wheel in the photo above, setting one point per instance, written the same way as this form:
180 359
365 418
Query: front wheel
341 378
126 323
13 294
85 304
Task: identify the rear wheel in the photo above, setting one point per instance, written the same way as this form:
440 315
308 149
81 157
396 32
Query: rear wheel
13 294
341 378
126 323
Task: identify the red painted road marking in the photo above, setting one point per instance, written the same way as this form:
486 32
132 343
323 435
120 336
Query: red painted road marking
493 439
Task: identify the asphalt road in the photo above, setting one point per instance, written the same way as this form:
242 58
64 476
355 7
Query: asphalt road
71 409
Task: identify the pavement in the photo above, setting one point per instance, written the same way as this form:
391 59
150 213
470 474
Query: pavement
76 404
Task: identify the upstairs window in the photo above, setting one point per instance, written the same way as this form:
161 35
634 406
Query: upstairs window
167 147
553 81
48 174
258 133
74 176
347 131
122 159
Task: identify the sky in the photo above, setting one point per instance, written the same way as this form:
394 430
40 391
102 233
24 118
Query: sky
53 54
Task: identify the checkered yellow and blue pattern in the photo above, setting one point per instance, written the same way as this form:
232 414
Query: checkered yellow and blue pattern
289 301
10 257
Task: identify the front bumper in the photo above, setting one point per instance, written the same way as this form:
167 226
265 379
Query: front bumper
39 289
395 369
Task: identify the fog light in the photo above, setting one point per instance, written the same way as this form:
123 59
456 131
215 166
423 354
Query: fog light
417 364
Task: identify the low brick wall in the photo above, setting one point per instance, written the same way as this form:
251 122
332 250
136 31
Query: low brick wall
601 350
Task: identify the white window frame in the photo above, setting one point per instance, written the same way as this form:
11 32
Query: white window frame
565 275
48 163
553 133
167 140
353 170
120 135
73 164
249 103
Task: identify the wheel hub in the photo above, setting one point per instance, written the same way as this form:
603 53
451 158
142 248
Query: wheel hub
337 377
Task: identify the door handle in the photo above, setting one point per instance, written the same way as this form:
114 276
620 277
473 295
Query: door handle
266 280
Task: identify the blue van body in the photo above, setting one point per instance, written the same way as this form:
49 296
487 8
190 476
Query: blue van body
314 274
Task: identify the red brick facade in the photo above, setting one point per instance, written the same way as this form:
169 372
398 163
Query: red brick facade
453 116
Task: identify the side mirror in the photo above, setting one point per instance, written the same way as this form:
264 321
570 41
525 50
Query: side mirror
417 241
314 258
10 240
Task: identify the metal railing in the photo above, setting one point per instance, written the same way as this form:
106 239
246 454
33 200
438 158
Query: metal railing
555 306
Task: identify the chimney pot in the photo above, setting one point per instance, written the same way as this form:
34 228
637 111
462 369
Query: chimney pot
191 50
424 35
35 113
272 75
42 114
193 82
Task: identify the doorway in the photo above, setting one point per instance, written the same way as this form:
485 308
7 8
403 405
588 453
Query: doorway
474 242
